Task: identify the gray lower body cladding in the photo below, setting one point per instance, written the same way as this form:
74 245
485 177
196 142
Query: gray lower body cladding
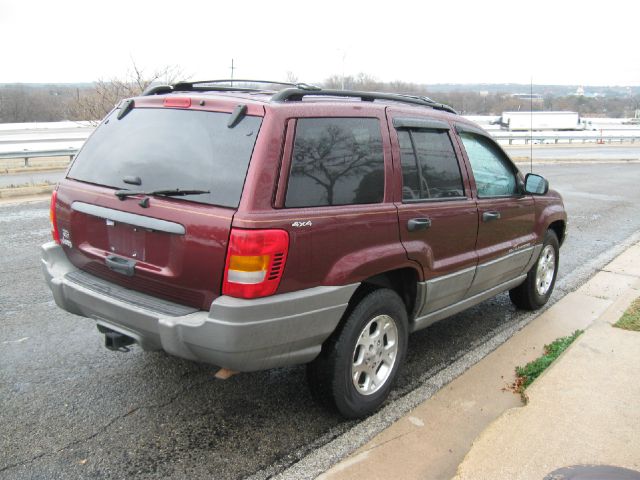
450 294
242 335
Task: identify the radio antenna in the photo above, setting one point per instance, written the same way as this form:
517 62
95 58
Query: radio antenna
531 125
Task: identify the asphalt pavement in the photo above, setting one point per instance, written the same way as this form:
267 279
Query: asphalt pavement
72 409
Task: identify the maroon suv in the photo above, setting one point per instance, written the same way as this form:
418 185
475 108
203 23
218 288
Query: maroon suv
253 228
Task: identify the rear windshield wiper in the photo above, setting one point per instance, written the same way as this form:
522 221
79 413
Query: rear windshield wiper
174 192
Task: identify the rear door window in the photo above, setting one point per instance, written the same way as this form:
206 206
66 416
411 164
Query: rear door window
430 168
336 161
168 149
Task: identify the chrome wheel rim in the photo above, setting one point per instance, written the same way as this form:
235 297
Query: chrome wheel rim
545 270
375 355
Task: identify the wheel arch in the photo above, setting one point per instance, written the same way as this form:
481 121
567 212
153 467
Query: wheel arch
403 281
559 228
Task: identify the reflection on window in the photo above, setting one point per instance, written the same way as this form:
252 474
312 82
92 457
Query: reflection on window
492 172
429 165
336 161
170 148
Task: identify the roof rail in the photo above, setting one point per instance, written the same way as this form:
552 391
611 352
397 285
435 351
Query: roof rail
297 94
157 90
209 85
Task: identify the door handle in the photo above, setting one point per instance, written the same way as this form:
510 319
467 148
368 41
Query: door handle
416 224
490 216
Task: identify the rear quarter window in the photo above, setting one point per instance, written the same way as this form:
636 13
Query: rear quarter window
168 149
336 161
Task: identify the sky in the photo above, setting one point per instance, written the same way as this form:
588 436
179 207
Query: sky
550 42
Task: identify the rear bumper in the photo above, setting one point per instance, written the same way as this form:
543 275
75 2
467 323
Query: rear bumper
242 335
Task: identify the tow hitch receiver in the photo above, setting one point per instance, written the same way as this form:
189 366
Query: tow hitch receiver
116 341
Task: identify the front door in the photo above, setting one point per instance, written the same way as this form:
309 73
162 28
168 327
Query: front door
438 217
506 216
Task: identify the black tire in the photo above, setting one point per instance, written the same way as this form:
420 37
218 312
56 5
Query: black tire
330 375
529 295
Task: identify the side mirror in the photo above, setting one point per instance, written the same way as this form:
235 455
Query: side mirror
535 184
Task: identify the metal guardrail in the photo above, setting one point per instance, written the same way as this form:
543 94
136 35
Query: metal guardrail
553 139
556 139
26 155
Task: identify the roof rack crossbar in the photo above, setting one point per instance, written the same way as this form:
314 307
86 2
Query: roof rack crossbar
185 87
213 85
201 83
157 90
297 94
240 80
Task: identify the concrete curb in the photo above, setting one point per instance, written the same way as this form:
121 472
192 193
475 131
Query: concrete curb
435 437
583 409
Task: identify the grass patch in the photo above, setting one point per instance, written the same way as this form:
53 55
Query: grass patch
532 370
630 319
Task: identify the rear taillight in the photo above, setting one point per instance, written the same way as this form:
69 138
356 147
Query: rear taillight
255 262
53 218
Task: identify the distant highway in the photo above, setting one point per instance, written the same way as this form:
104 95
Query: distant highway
65 135
43 136
587 152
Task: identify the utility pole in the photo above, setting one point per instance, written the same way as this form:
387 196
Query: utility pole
232 69
344 54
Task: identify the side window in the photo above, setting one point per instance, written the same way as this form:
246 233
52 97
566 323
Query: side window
493 173
336 161
429 165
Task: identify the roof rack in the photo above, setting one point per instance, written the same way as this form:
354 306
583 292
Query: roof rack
209 85
297 94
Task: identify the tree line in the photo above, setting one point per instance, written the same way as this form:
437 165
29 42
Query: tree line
90 102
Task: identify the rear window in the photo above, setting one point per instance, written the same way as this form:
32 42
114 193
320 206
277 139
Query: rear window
170 149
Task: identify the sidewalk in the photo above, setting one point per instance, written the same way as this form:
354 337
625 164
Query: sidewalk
585 409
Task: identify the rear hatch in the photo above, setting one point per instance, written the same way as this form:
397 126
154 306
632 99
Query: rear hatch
169 245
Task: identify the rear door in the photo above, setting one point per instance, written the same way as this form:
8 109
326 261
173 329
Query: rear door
172 247
505 232
438 217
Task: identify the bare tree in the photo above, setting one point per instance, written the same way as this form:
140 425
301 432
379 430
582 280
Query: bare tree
292 77
93 104
332 157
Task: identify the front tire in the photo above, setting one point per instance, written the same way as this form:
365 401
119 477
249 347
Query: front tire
535 291
359 363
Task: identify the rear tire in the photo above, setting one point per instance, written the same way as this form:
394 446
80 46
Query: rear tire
535 291
359 363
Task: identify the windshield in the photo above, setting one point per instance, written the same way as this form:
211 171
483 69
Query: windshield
169 149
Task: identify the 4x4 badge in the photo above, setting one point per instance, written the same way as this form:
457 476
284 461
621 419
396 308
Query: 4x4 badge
306 223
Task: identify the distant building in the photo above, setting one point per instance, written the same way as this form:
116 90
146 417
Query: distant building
579 92
535 97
